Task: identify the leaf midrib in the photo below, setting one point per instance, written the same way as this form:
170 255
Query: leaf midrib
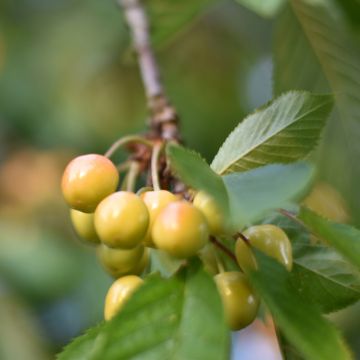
257 144
326 277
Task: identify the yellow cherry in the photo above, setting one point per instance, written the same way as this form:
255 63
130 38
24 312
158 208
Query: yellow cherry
121 220
240 303
245 256
208 258
119 293
215 218
84 226
180 230
155 202
327 202
271 240
87 180
141 266
120 262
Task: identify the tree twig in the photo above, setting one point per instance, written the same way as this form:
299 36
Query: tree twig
164 119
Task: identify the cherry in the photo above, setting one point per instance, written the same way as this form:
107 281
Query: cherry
120 262
268 238
155 202
84 226
240 303
207 205
208 258
328 202
121 220
87 180
119 293
180 229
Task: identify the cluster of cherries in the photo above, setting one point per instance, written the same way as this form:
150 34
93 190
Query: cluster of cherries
124 225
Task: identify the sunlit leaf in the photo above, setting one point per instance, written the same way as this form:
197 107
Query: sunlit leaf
162 262
254 193
177 318
267 8
82 346
194 171
283 131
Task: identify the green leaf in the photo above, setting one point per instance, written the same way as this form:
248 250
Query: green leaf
177 318
295 63
352 10
162 262
315 51
193 170
300 322
254 193
81 348
323 277
320 274
283 131
263 8
344 238
170 17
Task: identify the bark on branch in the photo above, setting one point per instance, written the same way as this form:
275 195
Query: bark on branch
164 119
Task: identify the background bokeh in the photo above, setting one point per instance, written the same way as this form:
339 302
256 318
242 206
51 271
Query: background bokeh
69 85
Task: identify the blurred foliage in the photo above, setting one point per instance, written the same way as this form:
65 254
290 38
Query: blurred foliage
18 326
69 84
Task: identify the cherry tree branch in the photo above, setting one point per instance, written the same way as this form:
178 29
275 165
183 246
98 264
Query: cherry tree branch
164 119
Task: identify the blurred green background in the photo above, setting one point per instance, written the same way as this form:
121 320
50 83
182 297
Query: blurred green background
69 85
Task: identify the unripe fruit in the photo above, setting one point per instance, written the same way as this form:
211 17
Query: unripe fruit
268 238
119 262
84 225
87 180
327 202
119 293
155 202
180 229
143 263
121 220
208 258
245 256
207 205
240 303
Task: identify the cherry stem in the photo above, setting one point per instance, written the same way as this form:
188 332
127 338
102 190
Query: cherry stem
219 263
155 157
144 190
126 140
123 166
132 176
242 236
293 217
223 248
290 215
